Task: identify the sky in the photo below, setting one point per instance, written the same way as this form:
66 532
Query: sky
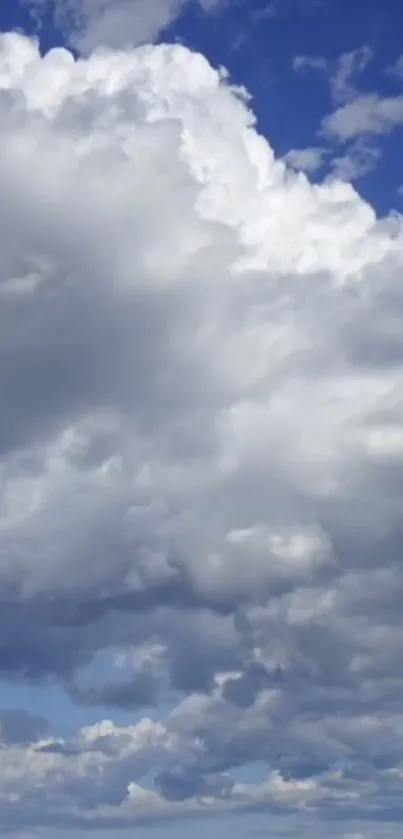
201 428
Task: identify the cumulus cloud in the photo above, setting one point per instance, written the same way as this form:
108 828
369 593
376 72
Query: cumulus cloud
95 779
201 453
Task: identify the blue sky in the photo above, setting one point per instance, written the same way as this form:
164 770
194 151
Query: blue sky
201 443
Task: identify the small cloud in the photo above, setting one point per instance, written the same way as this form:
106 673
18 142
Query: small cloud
309 62
369 114
269 10
349 65
340 74
358 115
275 8
307 160
353 111
396 69
358 161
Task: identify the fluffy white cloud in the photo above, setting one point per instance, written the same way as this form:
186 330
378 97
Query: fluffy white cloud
201 379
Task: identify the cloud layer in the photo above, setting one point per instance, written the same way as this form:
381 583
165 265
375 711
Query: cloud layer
201 453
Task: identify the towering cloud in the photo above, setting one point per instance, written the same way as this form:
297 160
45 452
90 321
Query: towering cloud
201 442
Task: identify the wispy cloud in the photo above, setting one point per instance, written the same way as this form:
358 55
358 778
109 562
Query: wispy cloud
359 160
365 115
358 118
340 74
309 62
396 69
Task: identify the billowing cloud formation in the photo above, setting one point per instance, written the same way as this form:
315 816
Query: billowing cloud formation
201 452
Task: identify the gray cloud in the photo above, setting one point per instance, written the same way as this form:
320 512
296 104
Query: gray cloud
201 455
88 24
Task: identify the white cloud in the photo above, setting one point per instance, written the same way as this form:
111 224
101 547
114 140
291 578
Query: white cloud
309 62
341 73
201 360
356 117
348 66
308 160
369 114
360 159
397 68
